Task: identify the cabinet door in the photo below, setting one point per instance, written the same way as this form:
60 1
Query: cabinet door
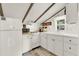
44 41
3 43
26 43
71 48
10 45
67 53
71 40
50 43
71 13
35 40
58 45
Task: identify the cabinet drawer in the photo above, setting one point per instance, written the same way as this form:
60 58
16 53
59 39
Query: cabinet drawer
71 48
55 37
71 40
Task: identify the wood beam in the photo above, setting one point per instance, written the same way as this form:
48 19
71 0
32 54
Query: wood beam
1 10
27 12
54 14
44 12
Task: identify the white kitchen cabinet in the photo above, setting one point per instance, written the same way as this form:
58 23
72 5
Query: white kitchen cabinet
51 43
71 46
10 24
71 40
67 53
4 45
30 41
44 40
71 13
10 43
59 46
55 44
35 41
26 42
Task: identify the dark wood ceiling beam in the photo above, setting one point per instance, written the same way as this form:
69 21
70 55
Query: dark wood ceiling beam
27 12
1 10
44 12
54 14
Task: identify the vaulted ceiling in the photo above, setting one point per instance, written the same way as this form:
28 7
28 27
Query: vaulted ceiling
30 11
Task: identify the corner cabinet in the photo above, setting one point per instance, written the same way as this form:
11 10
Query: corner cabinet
71 13
55 44
52 43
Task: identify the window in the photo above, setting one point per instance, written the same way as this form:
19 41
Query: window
61 24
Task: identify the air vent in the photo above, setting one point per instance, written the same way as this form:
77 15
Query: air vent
3 18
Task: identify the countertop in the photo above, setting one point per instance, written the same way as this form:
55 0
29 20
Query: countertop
63 34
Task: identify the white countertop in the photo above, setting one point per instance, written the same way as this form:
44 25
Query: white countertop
63 34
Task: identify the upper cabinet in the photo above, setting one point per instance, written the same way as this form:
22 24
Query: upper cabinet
71 13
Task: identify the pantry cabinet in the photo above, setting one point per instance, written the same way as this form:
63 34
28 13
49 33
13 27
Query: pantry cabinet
71 13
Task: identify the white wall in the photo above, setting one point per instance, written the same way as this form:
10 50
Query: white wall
52 28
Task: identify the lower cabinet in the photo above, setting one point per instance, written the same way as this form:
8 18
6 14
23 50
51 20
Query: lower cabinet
55 44
26 43
30 41
60 45
71 46
35 41
52 43
43 42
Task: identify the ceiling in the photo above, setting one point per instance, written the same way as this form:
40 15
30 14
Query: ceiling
15 10
18 10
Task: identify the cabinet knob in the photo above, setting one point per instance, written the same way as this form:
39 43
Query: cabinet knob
53 39
69 40
70 48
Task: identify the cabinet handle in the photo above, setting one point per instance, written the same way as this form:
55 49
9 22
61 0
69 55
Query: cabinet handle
70 48
53 39
69 40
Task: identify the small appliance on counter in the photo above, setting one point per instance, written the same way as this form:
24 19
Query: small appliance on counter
24 29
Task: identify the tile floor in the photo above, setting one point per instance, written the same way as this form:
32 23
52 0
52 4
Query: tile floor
38 52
